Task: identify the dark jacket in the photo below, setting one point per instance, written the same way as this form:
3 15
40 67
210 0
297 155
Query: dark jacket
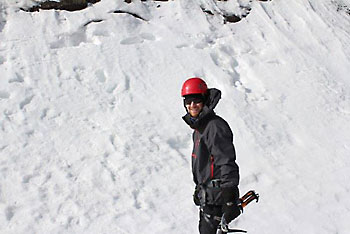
213 155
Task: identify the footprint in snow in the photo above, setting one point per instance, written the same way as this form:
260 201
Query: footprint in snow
138 39
100 75
2 18
131 40
183 45
102 78
148 36
70 40
10 212
2 60
26 101
17 79
4 95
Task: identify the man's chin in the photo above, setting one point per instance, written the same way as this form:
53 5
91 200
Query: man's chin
194 115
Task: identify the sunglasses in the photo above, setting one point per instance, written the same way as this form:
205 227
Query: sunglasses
194 100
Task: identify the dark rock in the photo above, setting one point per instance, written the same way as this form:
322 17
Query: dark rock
232 18
68 5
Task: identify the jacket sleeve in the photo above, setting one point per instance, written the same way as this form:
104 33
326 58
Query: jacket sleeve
220 145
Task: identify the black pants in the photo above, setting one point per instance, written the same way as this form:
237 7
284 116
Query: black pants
208 222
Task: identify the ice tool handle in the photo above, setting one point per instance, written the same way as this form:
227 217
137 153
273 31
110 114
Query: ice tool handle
248 198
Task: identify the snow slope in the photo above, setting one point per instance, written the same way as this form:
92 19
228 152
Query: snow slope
91 135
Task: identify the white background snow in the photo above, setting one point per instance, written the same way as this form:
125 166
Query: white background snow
91 135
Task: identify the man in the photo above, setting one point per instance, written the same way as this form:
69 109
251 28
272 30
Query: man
214 169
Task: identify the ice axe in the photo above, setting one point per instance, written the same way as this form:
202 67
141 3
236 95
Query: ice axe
248 198
244 201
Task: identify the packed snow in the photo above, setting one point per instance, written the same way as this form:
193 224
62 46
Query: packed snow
91 135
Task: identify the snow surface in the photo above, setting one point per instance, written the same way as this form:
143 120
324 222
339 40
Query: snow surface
91 135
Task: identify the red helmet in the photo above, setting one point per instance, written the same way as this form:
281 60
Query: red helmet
194 86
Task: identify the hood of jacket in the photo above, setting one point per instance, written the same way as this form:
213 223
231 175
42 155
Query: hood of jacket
212 99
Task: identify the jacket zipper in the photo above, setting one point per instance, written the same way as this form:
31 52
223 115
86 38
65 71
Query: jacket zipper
211 167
